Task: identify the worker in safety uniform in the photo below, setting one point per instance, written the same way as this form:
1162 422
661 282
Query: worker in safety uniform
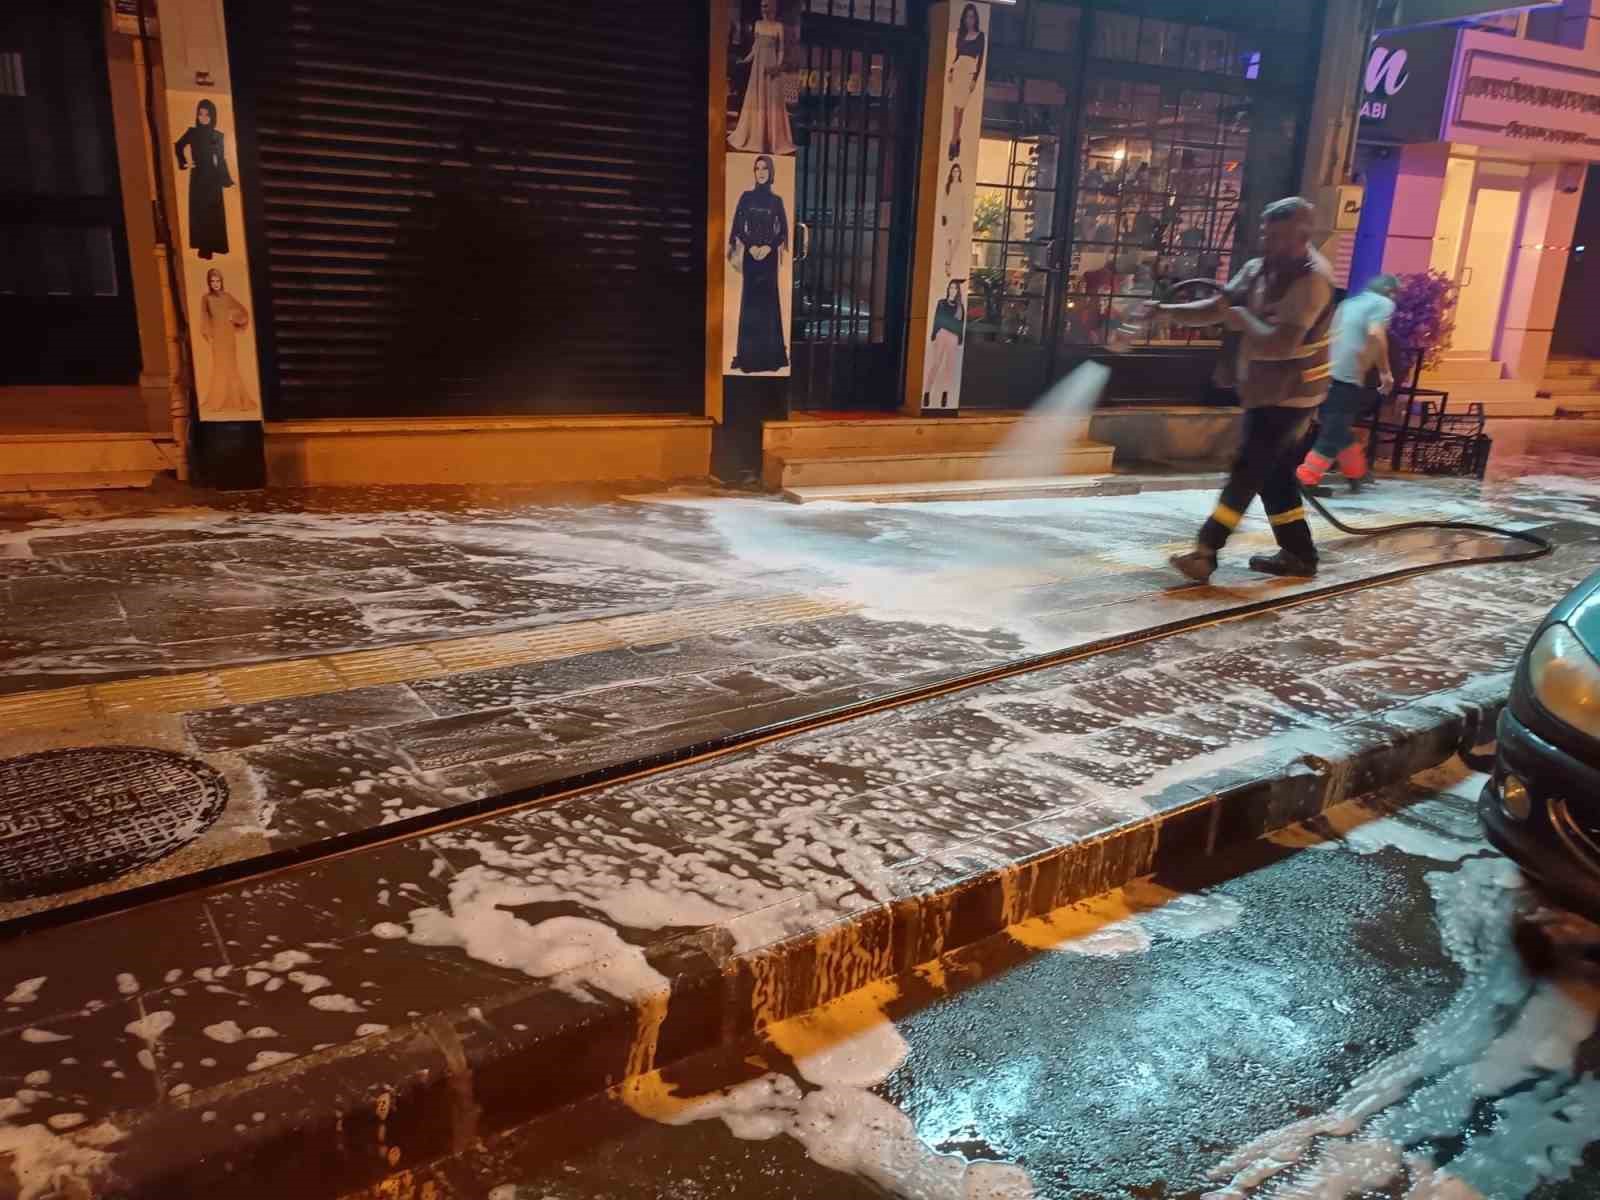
1360 346
1279 309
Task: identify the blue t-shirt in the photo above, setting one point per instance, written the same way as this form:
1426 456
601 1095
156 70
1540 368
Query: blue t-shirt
1351 324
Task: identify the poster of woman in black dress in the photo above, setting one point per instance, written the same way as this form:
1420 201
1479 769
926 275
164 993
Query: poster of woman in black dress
203 143
757 293
966 69
944 354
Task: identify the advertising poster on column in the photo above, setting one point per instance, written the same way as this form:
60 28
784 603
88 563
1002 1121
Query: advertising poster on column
760 264
210 237
961 120
765 69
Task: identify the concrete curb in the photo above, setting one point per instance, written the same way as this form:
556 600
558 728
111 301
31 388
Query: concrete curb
350 1117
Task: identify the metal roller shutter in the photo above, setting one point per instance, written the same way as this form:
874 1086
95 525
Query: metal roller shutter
475 210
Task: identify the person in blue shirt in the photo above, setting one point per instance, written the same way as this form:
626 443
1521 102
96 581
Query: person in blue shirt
1360 344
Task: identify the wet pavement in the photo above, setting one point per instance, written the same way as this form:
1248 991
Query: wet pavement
1335 1013
531 957
429 651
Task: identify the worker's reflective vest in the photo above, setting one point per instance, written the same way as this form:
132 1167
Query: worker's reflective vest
1300 377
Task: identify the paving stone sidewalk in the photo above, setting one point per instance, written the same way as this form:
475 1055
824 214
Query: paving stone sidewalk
317 1028
611 631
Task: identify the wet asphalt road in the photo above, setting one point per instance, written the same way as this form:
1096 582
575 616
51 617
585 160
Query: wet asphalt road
1346 998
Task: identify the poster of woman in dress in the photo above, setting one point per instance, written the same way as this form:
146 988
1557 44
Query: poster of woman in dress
765 51
943 371
202 151
222 319
760 263
955 224
963 84
961 115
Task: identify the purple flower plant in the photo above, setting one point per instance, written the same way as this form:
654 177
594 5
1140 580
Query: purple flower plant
1424 318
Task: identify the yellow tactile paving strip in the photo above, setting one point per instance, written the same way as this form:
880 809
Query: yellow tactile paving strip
227 686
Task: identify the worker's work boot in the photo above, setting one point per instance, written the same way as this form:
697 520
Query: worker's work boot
1310 472
1197 564
1353 465
1283 563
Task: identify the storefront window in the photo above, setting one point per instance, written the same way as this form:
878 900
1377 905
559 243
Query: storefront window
884 12
1038 25
1126 146
1016 250
1161 173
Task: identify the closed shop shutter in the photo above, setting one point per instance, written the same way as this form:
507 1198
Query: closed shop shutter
495 208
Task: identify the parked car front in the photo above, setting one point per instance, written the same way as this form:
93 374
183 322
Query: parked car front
1542 804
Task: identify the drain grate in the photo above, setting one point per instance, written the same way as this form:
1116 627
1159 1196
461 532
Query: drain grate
74 818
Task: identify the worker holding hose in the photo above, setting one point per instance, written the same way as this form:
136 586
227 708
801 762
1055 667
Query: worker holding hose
1280 307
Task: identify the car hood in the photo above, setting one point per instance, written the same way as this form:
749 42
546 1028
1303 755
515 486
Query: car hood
1580 610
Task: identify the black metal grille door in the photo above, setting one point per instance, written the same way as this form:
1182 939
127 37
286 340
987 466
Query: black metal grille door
856 126
486 208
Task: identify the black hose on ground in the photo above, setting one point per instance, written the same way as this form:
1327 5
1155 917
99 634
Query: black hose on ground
1538 546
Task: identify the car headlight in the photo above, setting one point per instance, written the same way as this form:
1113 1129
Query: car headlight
1566 679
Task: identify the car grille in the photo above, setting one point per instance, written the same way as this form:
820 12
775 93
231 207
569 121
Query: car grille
1579 833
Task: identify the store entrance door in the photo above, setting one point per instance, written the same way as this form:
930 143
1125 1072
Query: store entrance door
1491 230
856 132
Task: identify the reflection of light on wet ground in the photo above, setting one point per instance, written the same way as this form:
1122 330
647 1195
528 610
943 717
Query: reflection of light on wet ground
1498 1068
1486 1101
842 1051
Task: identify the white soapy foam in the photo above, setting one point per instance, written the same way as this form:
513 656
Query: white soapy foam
575 951
151 1026
45 1164
1505 1040
335 1003
269 1058
27 991
847 1047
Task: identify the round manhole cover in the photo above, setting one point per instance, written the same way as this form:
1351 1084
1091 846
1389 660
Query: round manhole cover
72 818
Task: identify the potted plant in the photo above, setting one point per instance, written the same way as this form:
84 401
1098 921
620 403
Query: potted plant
1424 318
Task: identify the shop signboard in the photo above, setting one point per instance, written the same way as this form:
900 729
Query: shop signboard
1405 84
1541 100
1409 14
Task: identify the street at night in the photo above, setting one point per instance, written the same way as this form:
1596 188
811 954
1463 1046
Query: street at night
1335 1011
799 600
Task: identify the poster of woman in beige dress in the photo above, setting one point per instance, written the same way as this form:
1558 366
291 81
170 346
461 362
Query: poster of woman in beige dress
763 126
222 318
955 224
